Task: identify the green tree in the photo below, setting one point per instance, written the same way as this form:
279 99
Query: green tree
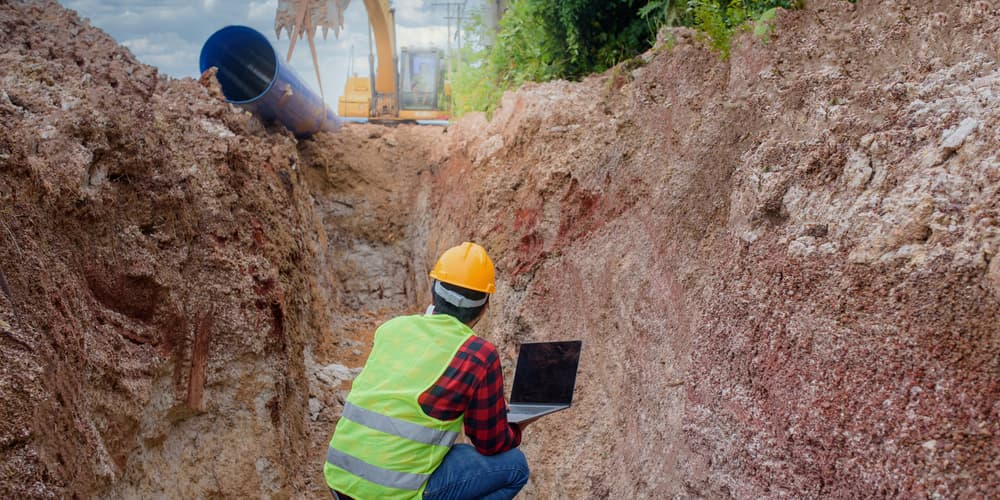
541 40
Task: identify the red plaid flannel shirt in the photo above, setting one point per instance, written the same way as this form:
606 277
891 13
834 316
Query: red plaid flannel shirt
473 384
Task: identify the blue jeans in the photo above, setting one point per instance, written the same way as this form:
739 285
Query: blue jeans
465 474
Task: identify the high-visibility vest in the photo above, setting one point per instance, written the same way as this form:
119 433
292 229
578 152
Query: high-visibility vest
384 445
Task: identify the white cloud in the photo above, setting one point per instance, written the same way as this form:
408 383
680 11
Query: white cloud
170 33
170 60
138 45
436 37
167 51
421 13
262 12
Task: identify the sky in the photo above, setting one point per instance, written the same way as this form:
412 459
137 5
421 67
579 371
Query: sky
169 34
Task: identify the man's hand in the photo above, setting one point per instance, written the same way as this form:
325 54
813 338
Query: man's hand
524 423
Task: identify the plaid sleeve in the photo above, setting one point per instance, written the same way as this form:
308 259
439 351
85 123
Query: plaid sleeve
473 384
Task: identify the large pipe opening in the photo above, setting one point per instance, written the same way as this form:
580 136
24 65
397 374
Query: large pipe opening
252 76
246 61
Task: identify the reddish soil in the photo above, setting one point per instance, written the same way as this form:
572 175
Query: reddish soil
783 265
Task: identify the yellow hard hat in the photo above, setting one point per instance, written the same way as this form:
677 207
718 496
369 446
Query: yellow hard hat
467 266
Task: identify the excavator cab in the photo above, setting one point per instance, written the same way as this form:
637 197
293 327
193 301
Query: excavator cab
423 93
420 79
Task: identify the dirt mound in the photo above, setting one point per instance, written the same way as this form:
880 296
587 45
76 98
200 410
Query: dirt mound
783 265
157 294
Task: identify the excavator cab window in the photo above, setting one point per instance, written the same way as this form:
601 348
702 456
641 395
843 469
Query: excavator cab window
419 79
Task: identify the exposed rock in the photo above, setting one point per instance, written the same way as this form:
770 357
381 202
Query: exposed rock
488 148
315 406
952 139
858 170
333 375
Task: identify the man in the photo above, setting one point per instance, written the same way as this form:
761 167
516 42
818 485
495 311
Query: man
426 377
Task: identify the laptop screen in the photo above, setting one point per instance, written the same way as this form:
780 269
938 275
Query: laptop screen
546 372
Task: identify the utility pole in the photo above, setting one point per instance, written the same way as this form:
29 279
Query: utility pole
459 19
453 11
493 12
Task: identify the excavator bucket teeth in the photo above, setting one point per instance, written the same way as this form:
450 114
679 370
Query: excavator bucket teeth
284 18
325 14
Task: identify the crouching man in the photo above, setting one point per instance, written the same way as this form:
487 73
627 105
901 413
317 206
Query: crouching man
427 377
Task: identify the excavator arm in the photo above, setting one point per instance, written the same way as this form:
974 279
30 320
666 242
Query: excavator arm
381 99
383 25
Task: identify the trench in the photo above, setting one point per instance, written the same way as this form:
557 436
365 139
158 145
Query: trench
783 265
370 191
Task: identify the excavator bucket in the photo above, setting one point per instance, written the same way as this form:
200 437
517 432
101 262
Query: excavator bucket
299 18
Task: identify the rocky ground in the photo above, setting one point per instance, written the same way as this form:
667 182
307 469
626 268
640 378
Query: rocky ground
782 265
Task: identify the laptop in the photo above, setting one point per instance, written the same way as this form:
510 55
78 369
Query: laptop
544 379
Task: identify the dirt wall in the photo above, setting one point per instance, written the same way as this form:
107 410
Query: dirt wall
156 301
782 265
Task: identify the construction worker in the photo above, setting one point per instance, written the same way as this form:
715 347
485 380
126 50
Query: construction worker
427 377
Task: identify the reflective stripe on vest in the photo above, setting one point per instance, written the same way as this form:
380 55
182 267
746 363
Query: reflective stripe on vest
397 427
384 445
378 475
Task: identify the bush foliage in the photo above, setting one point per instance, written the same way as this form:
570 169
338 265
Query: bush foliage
542 40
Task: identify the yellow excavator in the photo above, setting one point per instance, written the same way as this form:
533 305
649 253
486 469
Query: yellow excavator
410 88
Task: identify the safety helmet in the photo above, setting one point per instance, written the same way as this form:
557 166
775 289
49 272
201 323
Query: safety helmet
467 266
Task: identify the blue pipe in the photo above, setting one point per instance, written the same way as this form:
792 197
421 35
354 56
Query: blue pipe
254 77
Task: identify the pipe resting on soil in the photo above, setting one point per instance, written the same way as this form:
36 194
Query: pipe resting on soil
253 77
